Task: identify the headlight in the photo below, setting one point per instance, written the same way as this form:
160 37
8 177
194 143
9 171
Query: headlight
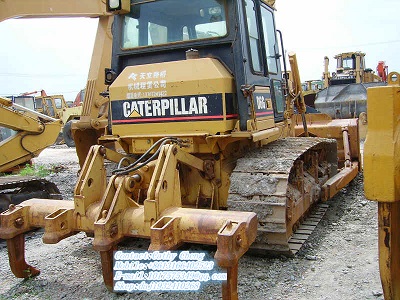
114 4
118 6
109 76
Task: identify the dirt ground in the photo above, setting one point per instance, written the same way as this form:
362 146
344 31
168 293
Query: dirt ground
339 260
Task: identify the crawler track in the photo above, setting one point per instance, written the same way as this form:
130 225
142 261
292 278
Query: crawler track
16 189
282 182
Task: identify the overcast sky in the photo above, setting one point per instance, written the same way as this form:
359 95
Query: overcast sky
318 28
54 54
49 54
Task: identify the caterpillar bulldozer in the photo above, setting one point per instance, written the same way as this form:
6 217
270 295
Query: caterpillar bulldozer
381 178
345 91
24 134
212 150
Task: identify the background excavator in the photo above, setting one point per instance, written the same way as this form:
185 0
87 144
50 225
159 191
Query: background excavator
56 107
24 133
212 150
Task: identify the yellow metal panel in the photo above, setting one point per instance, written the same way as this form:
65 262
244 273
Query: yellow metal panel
263 110
165 98
381 150
193 76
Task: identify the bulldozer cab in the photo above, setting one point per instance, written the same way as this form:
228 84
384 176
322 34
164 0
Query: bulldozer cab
235 43
347 61
349 68
52 106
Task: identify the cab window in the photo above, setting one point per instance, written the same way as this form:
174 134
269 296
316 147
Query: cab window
58 103
269 39
254 41
168 21
38 103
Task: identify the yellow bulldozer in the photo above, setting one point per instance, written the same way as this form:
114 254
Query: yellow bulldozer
212 151
345 91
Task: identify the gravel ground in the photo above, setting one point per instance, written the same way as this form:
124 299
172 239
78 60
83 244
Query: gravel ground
339 260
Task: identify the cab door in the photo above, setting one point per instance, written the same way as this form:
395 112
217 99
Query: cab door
263 72
271 52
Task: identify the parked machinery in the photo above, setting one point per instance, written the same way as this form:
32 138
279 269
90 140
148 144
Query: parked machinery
56 107
24 133
382 180
207 127
345 94
345 91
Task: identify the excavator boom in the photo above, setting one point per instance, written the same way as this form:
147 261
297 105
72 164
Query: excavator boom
24 134
34 132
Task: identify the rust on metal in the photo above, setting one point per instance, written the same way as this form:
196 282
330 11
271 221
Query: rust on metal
16 257
107 268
